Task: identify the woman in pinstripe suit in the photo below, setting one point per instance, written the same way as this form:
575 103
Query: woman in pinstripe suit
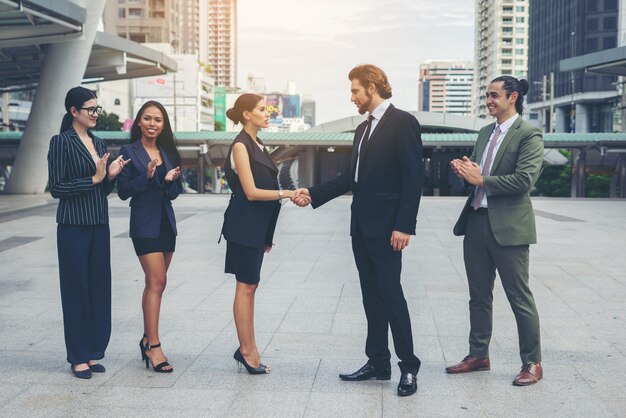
80 179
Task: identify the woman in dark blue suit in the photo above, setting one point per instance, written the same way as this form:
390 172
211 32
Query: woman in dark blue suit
79 178
250 218
152 181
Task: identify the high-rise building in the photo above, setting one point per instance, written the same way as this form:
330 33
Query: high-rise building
308 109
154 21
446 86
218 24
501 44
189 27
560 29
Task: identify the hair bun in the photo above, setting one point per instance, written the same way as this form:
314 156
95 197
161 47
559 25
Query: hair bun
230 114
524 86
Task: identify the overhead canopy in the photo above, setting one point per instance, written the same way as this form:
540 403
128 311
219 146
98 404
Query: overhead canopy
608 61
28 26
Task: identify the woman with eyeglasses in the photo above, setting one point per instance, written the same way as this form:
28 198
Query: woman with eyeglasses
81 177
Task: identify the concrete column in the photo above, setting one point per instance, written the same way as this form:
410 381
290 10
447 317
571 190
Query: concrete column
63 68
5 111
581 176
560 115
582 118
306 167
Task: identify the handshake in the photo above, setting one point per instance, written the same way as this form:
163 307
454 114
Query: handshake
299 197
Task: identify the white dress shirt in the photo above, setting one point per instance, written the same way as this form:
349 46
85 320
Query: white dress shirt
504 128
377 113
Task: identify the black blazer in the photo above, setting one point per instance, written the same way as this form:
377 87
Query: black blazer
148 197
251 223
70 168
391 175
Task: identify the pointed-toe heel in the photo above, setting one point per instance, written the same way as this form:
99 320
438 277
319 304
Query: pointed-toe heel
241 361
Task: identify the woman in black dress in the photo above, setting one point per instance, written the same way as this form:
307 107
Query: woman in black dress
152 181
78 176
250 219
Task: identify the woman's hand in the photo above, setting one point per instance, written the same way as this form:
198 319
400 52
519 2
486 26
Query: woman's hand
101 169
268 248
173 174
116 166
151 168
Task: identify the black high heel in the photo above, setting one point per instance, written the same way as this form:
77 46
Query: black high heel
142 348
159 368
262 369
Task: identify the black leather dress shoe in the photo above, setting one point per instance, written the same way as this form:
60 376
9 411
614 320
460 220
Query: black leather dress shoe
407 385
368 372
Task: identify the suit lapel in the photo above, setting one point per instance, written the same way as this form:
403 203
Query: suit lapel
166 159
508 138
481 143
375 133
81 148
141 154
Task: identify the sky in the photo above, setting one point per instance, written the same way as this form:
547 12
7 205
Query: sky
315 43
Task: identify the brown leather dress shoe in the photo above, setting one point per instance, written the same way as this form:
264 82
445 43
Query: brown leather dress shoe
470 364
529 375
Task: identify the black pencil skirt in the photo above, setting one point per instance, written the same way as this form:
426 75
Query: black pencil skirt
244 262
164 243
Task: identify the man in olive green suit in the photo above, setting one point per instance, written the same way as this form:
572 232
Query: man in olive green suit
499 224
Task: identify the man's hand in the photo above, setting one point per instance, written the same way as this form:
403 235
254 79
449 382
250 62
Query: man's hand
470 171
399 240
302 197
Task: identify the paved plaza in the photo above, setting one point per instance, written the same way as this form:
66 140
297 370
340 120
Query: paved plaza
310 322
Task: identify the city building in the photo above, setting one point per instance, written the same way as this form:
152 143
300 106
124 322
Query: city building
561 29
308 109
154 21
218 23
501 28
446 86
189 27
187 94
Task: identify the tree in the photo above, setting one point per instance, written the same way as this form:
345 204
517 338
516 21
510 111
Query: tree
555 180
108 122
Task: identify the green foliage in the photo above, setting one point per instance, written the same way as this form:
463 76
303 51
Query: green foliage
108 122
555 180
598 185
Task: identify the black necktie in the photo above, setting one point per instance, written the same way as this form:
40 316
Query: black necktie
368 130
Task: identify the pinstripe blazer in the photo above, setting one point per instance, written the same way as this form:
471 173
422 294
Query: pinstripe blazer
70 168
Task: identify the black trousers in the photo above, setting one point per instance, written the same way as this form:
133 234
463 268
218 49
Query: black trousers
383 299
85 276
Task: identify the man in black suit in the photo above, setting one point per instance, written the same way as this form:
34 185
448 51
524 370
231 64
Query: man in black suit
385 176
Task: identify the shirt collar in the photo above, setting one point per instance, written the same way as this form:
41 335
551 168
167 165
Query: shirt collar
504 126
380 109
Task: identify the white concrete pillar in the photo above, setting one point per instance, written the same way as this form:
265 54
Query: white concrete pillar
63 68
582 118
560 115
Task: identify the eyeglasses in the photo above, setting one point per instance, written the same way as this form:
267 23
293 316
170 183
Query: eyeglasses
91 110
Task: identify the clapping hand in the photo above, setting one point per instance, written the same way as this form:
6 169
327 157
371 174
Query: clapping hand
173 174
101 169
116 166
302 197
151 168
468 170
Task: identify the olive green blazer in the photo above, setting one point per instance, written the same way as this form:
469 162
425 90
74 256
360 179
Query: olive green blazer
514 171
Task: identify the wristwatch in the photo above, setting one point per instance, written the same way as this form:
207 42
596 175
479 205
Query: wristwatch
281 194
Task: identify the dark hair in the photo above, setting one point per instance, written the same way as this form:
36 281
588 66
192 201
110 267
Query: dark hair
245 102
75 98
368 73
513 85
165 139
